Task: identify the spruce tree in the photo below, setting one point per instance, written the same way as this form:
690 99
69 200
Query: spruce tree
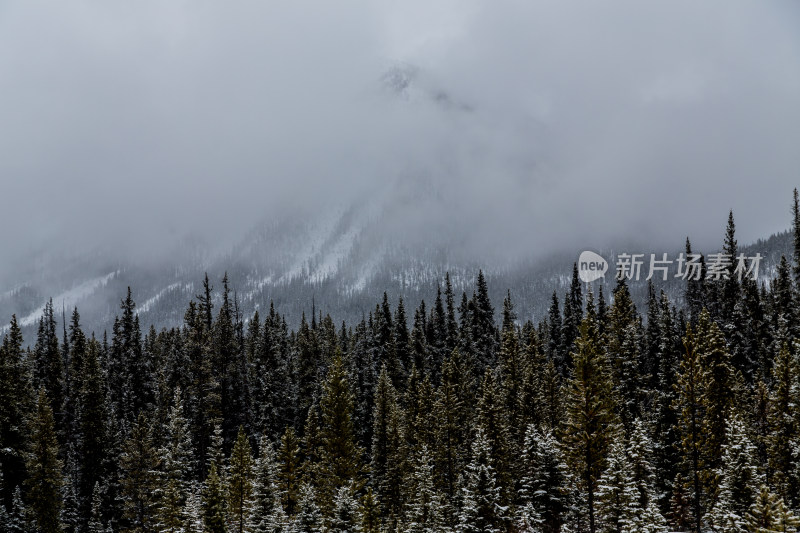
481 509
240 482
370 512
341 456
44 482
590 420
544 484
214 502
425 507
739 480
309 516
783 440
770 514
265 513
690 405
49 366
345 517
176 456
289 470
139 463
618 508
452 410
388 448
16 404
717 394
91 424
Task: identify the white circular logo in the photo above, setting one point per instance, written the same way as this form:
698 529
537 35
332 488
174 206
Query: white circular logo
591 266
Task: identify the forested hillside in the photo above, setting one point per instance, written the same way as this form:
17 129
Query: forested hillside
603 417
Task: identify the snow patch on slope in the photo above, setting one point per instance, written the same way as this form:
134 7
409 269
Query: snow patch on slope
67 299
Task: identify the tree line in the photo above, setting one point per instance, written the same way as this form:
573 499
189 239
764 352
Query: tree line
600 418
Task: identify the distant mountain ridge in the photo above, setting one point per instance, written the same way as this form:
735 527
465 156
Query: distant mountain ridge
340 262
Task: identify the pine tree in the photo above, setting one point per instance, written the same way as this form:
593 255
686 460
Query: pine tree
770 514
784 436
730 288
739 479
624 333
345 517
265 514
289 470
362 374
554 337
544 487
511 368
193 510
240 482
388 448
483 326
717 394
214 502
44 482
309 516
139 463
370 512
96 517
18 518
16 404
590 420
640 450
481 509
49 366
402 340
452 411
91 419
425 506
493 421
680 505
177 457
618 508
341 456
666 442
695 290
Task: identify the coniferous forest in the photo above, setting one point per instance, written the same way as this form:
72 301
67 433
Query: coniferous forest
452 417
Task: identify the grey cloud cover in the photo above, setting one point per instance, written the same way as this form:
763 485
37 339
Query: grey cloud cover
555 123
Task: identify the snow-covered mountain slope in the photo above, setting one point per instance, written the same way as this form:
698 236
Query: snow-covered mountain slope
341 260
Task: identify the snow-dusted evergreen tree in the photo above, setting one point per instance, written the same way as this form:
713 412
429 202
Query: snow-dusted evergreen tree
96 518
215 451
544 488
769 514
784 434
139 463
240 482
640 450
215 509
739 479
370 512
481 510
193 509
425 506
590 420
43 486
309 517
618 508
265 514
177 465
345 517
18 518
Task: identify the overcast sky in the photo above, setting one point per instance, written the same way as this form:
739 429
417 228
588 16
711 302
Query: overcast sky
557 123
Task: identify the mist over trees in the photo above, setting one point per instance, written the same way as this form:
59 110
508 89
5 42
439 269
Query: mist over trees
600 418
